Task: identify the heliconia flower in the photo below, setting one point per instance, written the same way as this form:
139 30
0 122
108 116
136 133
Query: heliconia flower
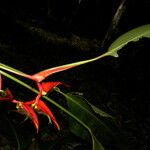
41 107
21 106
28 110
37 104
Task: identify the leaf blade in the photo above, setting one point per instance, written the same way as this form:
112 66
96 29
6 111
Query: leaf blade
98 128
132 35
96 144
100 112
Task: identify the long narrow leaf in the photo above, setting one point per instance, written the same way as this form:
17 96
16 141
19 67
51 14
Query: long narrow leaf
100 112
96 144
97 110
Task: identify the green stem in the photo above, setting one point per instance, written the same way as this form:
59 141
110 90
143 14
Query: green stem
18 81
15 71
54 69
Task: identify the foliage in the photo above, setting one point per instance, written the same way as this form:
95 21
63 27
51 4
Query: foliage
92 121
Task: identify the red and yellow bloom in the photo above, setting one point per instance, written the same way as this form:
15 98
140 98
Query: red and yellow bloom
32 107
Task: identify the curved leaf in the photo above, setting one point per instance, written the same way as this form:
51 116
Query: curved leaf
100 112
96 144
100 132
97 110
132 35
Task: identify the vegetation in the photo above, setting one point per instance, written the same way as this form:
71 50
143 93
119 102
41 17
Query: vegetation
78 123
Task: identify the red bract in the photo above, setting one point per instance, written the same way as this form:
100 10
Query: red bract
44 108
29 112
48 86
22 108
40 76
41 107
44 88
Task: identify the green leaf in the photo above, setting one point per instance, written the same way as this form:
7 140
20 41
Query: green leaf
100 112
97 110
100 132
86 117
131 36
96 144
79 107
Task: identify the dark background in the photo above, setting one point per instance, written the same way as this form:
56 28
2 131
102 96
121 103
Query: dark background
117 85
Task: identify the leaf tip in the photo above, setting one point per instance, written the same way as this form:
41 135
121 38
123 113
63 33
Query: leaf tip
115 55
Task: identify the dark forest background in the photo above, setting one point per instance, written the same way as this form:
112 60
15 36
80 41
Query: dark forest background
36 35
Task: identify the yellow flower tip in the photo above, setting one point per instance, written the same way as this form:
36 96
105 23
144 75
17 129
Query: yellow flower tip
34 106
19 105
44 93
